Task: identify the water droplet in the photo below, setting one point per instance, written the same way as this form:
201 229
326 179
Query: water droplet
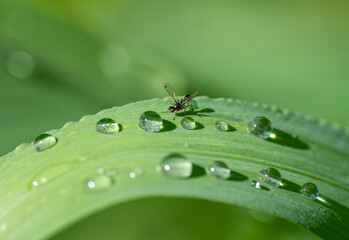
260 127
255 184
44 141
310 190
176 166
99 182
221 125
188 123
20 64
135 173
52 173
271 176
107 126
150 121
219 170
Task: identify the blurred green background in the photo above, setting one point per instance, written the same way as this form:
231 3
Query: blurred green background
63 59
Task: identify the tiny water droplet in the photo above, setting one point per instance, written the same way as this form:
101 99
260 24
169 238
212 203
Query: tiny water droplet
99 182
107 126
176 166
219 170
260 127
135 173
221 125
255 184
52 173
271 176
20 64
310 190
150 121
188 123
44 141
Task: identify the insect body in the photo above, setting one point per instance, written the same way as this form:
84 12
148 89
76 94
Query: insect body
179 103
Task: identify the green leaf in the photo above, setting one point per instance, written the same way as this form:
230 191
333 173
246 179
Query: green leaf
304 150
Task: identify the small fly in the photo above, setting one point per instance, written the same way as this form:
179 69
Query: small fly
179 103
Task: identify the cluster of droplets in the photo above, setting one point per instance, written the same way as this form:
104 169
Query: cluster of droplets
173 165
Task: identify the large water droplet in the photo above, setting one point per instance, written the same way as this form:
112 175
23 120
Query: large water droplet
150 121
44 141
107 126
99 182
221 125
260 127
310 190
188 123
20 64
52 173
271 176
219 170
176 166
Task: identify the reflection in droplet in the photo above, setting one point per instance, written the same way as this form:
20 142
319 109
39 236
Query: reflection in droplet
188 123
310 190
114 60
107 126
260 127
150 121
44 142
20 64
271 176
221 125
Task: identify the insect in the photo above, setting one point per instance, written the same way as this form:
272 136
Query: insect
179 103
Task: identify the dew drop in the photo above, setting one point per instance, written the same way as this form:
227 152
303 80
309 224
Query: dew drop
271 176
150 121
135 173
255 184
44 141
52 173
107 126
310 190
188 123
260 127
221 125
20 64
176 166
99 182
219 170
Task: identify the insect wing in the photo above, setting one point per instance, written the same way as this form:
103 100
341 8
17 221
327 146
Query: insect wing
194 94
170 90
